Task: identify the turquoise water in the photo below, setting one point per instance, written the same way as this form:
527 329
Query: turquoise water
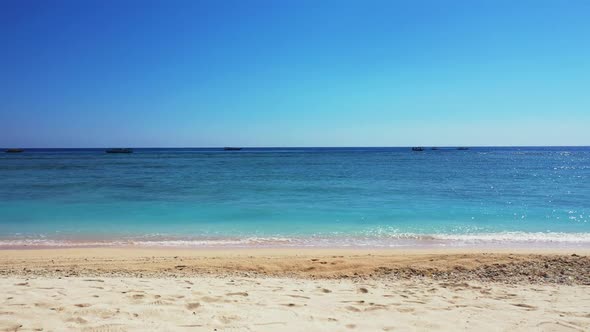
298 196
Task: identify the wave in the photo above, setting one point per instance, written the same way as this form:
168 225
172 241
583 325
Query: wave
551 237
408 240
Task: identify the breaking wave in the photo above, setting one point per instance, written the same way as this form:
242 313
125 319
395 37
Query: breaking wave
396 240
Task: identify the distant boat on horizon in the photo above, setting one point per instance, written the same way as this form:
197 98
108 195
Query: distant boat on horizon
462 148
14 150
119 150
418 148
229 148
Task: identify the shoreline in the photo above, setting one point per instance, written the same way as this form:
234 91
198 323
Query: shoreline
486 241
165 251
294 251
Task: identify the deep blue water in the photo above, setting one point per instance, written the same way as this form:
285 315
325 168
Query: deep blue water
301 196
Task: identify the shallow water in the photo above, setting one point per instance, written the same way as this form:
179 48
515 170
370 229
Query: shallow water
299 197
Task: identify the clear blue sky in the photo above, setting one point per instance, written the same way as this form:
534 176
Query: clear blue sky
294 73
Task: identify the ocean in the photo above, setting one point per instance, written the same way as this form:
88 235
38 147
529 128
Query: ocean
296 197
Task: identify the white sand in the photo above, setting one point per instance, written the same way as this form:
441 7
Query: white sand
285 304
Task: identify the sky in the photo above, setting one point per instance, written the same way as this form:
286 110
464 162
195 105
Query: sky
141 73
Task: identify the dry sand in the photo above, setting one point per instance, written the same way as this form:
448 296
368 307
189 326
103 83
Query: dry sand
293 290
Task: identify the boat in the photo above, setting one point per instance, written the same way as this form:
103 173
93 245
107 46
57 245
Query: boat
227 148
119 150
418 149
462 148
14 150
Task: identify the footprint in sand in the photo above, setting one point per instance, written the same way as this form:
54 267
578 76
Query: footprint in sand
556 326
226 319
105 328
237 293
5 326
299 296
270 323
78 320
353 309
213 299
193 305
526 306
376 307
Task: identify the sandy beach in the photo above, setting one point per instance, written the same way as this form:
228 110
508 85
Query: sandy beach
294 166
130 289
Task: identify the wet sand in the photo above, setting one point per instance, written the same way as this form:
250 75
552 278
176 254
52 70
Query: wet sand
121 289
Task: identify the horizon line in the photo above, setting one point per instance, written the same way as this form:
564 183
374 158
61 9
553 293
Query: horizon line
306 147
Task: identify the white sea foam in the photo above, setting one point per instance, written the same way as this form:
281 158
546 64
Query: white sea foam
550 237
392 240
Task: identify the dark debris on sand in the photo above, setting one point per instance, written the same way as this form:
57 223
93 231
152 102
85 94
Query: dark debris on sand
571 270
532 269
